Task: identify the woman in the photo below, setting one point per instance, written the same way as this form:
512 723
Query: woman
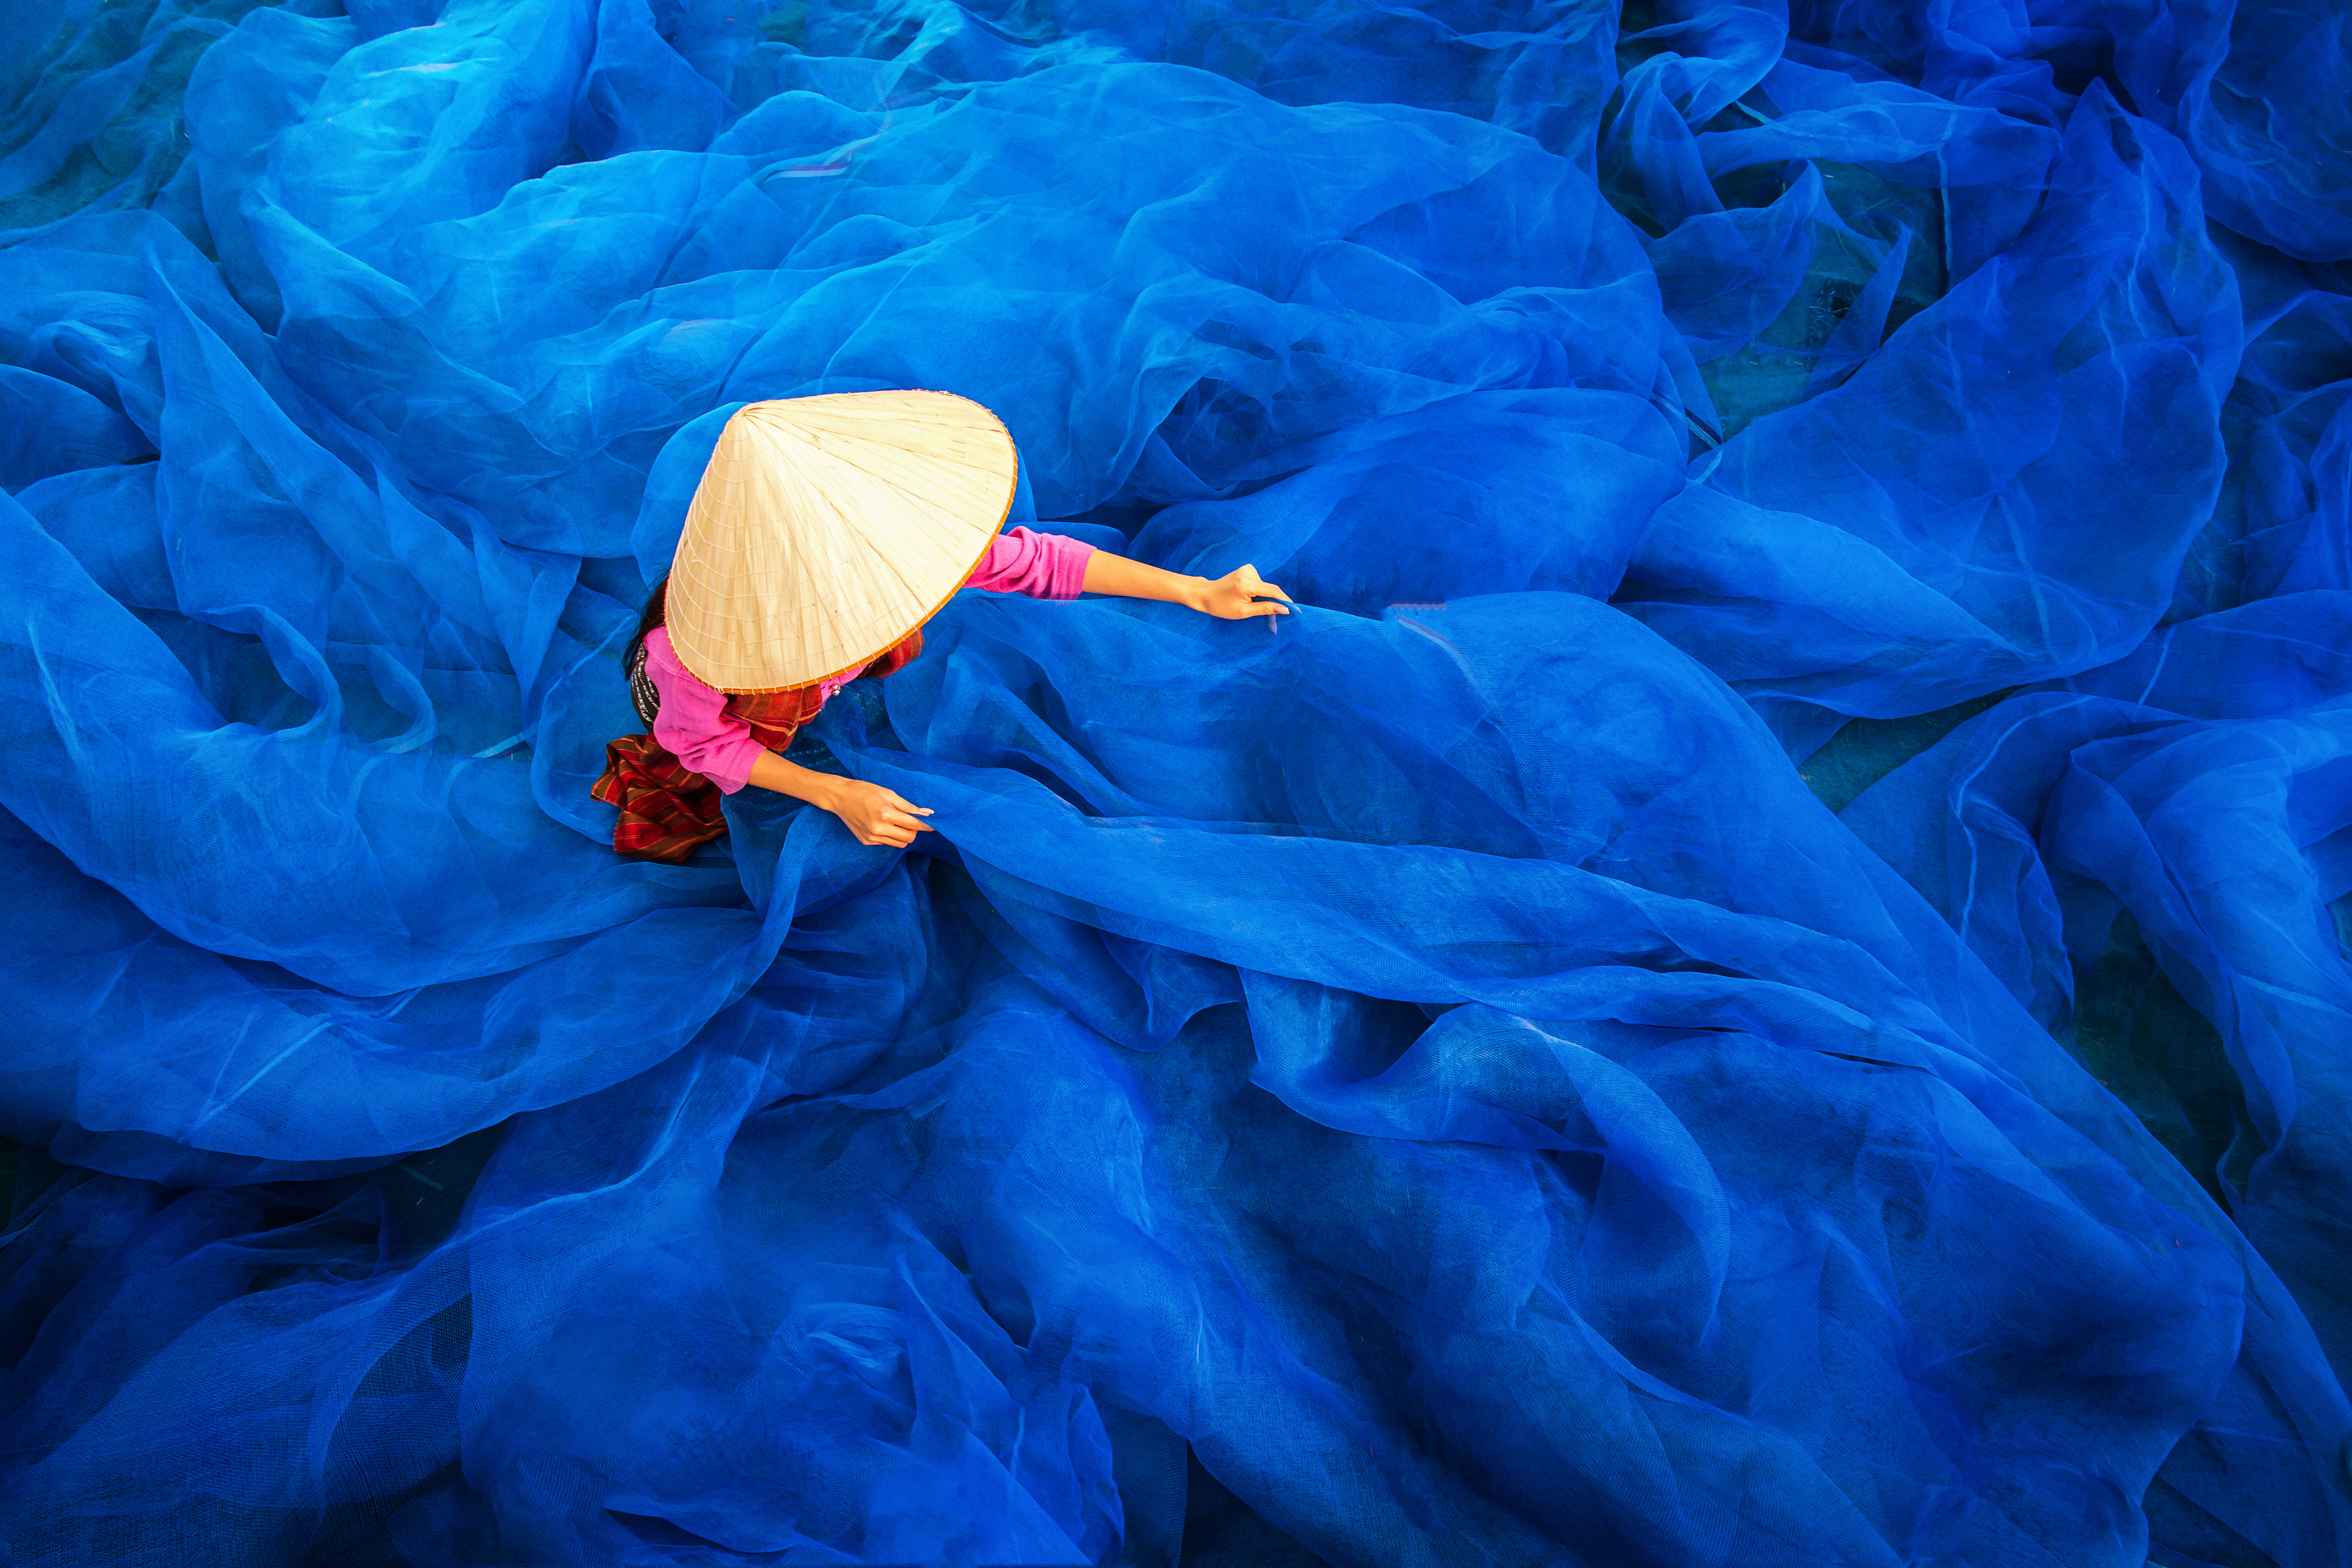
824 532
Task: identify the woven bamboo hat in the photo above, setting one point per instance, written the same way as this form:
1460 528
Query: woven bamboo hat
825 529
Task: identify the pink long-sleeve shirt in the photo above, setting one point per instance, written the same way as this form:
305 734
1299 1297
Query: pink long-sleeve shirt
694 724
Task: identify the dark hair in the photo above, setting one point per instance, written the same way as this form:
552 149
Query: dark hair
656 603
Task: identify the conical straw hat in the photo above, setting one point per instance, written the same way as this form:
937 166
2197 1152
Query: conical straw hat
825 529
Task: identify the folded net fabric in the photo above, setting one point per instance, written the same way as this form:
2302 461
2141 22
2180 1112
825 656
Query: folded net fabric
1756 977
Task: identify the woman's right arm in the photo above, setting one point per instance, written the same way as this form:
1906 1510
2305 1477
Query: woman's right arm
695 727
875 815
693 724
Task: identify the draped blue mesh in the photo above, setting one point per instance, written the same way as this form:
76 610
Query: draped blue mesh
1757 977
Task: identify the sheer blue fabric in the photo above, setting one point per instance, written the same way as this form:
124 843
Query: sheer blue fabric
1756 977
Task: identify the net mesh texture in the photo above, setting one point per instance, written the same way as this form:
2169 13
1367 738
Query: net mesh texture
1758 975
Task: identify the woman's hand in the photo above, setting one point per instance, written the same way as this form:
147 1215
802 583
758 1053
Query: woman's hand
876 816
1239 594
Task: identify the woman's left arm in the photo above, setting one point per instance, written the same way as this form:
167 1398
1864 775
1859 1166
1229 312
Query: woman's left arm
1055 566
1235 597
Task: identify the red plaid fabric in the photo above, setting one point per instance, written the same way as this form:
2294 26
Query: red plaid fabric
668 812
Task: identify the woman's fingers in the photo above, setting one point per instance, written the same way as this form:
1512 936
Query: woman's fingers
1254 586
1253 596
895 823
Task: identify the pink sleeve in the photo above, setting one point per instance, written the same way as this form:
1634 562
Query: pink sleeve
1042 565
694 723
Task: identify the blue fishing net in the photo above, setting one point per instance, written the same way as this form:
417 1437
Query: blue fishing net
1759 976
